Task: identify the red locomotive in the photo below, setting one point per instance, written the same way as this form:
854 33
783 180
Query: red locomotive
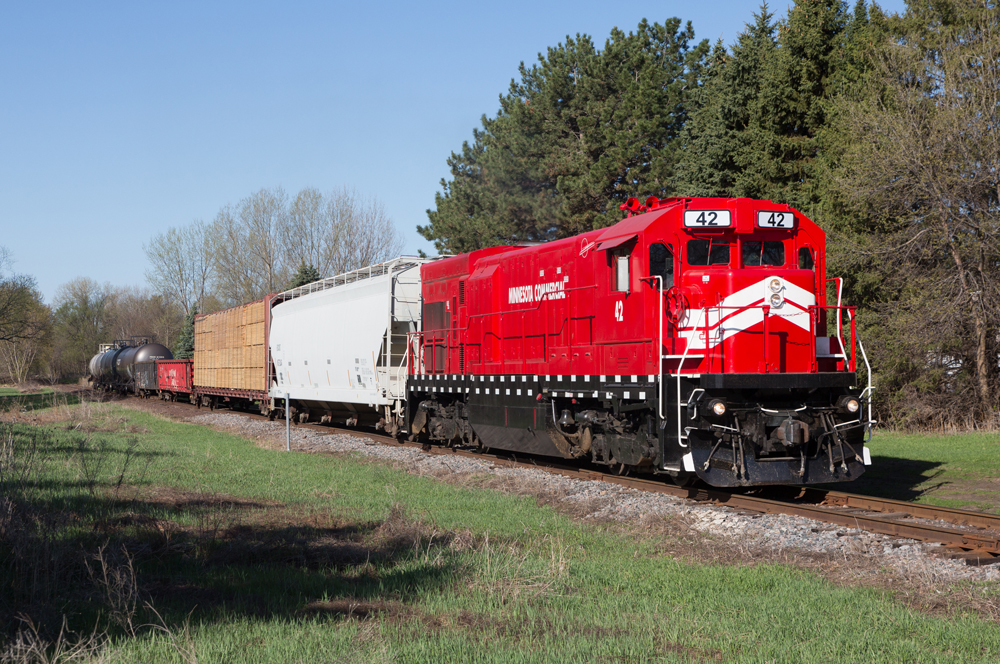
693 337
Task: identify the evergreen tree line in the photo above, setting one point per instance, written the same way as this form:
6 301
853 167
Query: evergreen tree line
882 128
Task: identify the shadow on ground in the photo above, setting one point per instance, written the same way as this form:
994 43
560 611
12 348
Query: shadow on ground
895 478
104 548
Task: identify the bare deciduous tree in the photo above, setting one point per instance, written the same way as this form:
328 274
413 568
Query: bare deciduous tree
24 320
246 243
180 264
339 231
308 232
255 246
136 311
366 234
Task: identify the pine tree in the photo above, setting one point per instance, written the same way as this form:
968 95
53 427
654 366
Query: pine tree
184 348
760 117
580 131
306 274
725 132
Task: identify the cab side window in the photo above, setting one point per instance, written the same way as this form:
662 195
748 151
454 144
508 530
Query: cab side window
661 264
620 272
805 258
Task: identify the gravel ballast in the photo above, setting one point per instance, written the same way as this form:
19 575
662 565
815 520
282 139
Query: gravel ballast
773 532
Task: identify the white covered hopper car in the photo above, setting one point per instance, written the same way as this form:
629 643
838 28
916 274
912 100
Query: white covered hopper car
338 346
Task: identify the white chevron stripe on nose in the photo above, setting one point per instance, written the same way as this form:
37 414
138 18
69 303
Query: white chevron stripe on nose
735 315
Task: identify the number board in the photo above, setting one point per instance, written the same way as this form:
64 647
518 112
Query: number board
773 219
707 219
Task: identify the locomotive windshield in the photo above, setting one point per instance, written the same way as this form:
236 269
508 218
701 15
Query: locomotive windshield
768 252
708 252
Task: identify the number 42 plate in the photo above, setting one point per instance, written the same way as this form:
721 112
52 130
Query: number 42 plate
707 219
768 219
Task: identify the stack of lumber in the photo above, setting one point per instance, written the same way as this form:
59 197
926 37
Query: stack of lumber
230 348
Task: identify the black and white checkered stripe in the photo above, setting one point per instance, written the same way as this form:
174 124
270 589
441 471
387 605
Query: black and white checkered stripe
635 387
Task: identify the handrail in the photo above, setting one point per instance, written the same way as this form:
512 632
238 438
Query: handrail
868 367
353 276
704 322
812 311
449 332
840 290
680 366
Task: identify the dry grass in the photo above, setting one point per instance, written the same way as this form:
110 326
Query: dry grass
29 646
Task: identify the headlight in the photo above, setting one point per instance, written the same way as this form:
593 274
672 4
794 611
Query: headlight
774 285
719 407
776 300
848 404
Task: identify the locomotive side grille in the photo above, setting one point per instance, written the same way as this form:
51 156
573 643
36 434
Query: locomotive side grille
461 292
461 356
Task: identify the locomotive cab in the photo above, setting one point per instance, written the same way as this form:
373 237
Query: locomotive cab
762 394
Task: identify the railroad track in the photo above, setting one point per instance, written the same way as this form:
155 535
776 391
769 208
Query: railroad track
972 537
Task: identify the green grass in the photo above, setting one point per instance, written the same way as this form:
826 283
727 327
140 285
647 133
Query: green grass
950 470
11 391
45 397
275 557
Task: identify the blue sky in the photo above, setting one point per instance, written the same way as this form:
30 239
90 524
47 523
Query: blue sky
121 120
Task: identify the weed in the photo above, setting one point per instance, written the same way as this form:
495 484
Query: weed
180 640
30 647
113 573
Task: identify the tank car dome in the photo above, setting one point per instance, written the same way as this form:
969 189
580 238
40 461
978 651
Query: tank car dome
151 352
124 363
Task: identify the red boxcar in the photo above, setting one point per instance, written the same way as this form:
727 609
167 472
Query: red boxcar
175 378
692 337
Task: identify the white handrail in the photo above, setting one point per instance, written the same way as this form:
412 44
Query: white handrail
868 390
680 366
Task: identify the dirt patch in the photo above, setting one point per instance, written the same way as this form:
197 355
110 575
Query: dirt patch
168 410
179 500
